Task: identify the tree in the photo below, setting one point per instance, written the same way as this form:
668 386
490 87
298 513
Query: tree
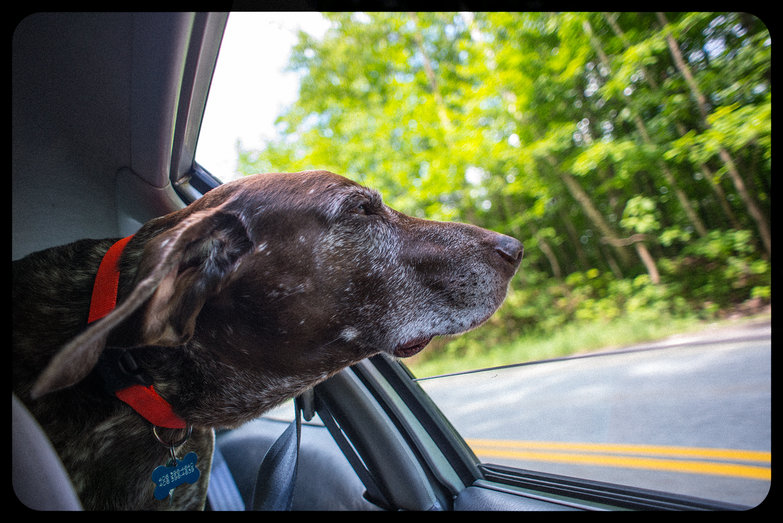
701 101
626 144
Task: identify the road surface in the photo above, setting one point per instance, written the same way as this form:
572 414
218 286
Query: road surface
690 415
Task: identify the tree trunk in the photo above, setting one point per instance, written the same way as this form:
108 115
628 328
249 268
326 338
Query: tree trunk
583 199
724 204
584 263
649 263
762 222
721 195
669 177
667 174
550 256
637 240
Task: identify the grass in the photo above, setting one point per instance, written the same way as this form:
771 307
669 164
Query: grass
574 338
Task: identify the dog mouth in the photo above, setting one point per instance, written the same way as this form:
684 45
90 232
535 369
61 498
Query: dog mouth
412 347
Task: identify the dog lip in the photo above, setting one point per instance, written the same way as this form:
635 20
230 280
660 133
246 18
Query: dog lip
413 347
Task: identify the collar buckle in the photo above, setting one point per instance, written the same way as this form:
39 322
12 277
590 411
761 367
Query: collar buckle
119 370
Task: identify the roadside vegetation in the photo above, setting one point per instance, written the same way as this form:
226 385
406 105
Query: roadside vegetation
479 350
630 153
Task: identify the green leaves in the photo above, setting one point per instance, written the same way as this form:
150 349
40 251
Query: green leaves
573 131
640 215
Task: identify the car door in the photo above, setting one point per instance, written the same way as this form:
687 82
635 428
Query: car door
441 470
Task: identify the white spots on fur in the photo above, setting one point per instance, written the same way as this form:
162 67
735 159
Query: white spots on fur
349 334
283 290
261 247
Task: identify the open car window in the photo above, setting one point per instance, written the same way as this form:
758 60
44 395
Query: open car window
250 86
661 417
629 152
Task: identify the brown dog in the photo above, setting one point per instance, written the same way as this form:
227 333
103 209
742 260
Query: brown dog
252 294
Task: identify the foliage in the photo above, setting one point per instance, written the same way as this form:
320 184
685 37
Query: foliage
722 268
594 138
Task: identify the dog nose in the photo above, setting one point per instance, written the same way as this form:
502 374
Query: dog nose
509 249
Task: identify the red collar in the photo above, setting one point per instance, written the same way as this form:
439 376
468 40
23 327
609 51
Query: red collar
143 399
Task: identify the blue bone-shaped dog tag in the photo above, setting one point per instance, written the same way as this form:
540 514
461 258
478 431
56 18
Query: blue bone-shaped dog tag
168 477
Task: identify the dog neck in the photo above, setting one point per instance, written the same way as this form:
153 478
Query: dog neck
121 375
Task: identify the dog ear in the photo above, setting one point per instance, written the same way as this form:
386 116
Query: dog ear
188 272
179 270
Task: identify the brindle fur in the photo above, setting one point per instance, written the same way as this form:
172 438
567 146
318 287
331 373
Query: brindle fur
257 291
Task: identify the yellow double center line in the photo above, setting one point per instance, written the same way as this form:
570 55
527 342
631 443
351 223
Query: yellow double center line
689 460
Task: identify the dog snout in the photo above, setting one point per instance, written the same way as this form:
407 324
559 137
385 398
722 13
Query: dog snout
510 249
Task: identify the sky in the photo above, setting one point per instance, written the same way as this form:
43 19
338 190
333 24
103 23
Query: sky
249 87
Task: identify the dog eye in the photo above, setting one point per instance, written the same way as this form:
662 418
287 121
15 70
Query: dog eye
362 208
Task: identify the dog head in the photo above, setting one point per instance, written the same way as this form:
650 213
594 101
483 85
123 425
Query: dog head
295 275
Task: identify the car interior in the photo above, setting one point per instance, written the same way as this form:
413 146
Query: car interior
106 110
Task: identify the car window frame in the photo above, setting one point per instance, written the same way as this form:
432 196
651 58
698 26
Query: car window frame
446 456
188 178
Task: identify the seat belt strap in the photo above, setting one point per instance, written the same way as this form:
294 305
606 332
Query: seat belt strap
372 493
276 478
222 491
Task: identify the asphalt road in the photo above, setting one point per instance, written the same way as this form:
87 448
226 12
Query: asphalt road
690 415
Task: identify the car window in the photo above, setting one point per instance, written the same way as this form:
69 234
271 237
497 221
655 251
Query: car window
629 152
690 416
250 86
